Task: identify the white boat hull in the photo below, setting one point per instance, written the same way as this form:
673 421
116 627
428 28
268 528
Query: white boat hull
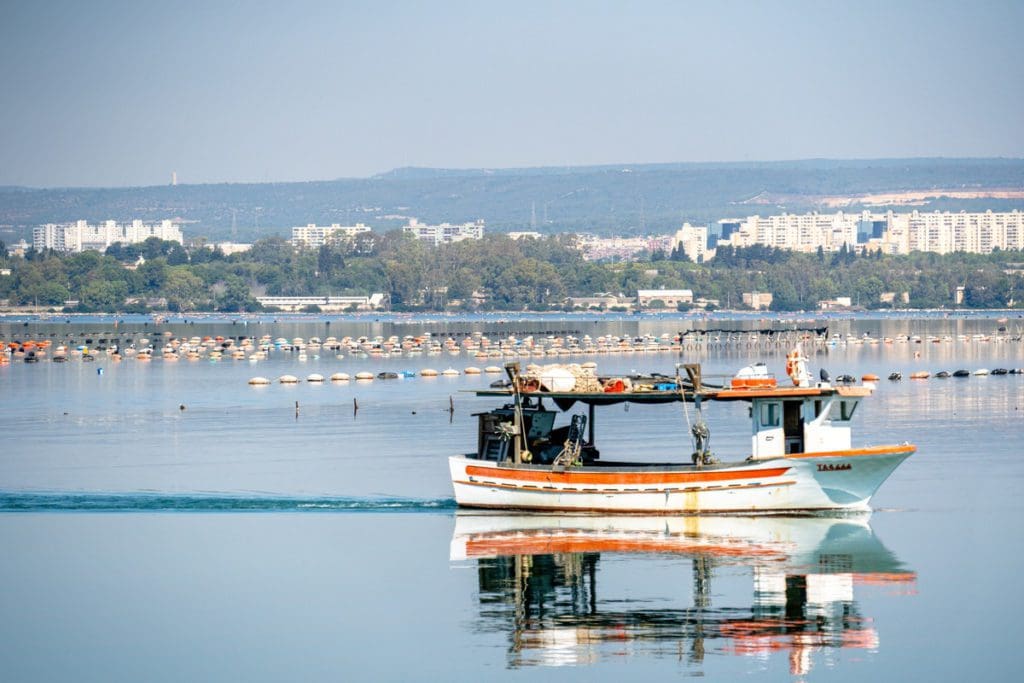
841 480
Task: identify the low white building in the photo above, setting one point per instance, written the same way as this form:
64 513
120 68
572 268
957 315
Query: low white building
757 300
229 248
839 303
670 298
327 304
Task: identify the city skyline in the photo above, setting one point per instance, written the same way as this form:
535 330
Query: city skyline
120 94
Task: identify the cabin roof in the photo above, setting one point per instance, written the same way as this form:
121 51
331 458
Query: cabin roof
566 399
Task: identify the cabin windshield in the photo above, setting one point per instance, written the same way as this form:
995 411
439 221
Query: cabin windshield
842 410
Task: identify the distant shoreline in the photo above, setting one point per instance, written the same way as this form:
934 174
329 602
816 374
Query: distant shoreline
802 317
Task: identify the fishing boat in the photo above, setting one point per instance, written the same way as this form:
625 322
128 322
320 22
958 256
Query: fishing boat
801 458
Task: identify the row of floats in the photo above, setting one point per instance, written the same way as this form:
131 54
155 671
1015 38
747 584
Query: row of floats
943 374
369 376
475 344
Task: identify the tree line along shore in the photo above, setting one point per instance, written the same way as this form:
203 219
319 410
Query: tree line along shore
494 273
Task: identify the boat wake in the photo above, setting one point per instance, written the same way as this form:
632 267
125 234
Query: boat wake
166 502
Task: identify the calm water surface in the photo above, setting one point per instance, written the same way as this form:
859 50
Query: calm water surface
358 566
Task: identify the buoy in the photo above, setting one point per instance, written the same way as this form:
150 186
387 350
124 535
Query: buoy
259 381
472 370
920 374
288 379
428 372
450 372
869 377
492 369
340 377
364 375
315 378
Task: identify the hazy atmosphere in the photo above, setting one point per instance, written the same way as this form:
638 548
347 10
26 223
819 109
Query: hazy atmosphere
125 93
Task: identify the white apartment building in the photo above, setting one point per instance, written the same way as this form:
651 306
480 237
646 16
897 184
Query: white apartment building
800 232
81 235
938 231
445 233
693 240
945 232
314 236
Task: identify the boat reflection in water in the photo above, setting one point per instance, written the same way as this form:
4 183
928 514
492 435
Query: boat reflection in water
574 590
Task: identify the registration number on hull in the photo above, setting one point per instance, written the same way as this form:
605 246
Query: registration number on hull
829 467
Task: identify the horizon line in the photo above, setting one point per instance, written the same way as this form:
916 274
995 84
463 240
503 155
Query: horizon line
484 170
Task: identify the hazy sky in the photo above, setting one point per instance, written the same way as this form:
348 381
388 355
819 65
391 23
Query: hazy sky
123 93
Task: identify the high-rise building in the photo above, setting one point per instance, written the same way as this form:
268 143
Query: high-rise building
892 233
693 240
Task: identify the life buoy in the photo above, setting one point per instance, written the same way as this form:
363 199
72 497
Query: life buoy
792 358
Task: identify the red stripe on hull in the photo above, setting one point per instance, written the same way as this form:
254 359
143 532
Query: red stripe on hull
621 478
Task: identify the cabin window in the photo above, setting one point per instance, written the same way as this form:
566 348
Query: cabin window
769 414
817 408
842 411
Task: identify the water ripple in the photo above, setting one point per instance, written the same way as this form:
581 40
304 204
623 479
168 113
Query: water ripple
163 502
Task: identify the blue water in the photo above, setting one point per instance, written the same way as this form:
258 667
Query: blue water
234 539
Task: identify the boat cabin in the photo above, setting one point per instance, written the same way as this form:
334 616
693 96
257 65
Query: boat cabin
801 424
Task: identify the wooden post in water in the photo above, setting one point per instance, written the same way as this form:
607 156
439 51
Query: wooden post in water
296 410
355 406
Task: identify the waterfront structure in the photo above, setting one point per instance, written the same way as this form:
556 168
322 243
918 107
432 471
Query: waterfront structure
327 304
670 298
81 235
527 234
840 303
313 236
445 233
603 302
